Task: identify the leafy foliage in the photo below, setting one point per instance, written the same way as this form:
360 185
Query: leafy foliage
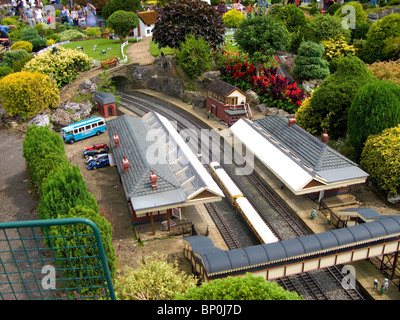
69 248
22 45
375 108
233 18
292 17
309 61
122 22
177 19
332 99
325 27
337 47
381 30
153 279
65 64
381 159
26 93
391 49
262 37
248 287
125 5
69 35
307 118
361 15
194 57
31 35
63 190
386 70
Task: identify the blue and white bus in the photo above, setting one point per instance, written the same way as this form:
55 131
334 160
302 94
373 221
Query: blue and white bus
83 129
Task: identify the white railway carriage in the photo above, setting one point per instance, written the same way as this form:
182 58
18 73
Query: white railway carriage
261 230
230 188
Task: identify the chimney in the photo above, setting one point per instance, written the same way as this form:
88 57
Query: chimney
153 179
292 120
116 140
125 164
325 136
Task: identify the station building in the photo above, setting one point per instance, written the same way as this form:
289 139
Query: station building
159 173
303 163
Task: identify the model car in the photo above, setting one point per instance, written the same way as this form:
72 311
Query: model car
97 147
99 163
88 153
95 157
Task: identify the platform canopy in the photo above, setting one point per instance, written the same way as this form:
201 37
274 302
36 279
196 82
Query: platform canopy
151 143
301 161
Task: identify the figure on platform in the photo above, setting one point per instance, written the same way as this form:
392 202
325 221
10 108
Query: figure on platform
375 284
313 213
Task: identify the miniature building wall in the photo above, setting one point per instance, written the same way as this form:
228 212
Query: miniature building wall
106 104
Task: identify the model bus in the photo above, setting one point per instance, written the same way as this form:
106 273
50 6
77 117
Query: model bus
83 129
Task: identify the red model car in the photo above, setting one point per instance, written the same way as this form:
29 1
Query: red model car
97 147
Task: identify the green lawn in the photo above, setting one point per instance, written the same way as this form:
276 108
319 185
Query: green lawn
102 44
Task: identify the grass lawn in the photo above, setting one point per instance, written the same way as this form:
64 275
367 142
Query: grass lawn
155 51
102 44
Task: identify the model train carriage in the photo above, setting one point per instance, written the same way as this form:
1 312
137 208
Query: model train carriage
260 229
229 187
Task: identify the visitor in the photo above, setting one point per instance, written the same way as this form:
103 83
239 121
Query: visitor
238 6
249 10
20 8
90 15
221 8
39 4
29 16
4 37
38 15
74 16
81 17
64 13
49 18
262 7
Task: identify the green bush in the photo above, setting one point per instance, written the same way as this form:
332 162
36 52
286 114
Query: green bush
63 190
292 17
26 93
325 27
19 64
68 248
69 35
122 22
381 159
248 287
93 32
361 15
361 31
333 8
309 62
31 35
65 65
381 30
25 45
14 55
332 99
233 18
41 28
5 71
194 57
391 49
375 107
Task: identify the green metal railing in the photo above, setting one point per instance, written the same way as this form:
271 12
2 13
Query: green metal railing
53 259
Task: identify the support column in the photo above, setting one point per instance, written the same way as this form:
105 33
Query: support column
152 223
168 215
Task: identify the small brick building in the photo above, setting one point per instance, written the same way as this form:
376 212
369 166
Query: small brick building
106 104
226 102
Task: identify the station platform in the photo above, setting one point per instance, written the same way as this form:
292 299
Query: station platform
366 271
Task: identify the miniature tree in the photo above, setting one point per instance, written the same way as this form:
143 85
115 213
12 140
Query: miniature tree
122 23
309 62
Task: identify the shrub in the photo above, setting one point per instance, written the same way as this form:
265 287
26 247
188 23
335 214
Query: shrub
194 57
381 159
332 99
93 32
337 47
69 248
375 107
5 71
177 19
153 279
307 118
69 35
361 15
26 93
63 190
65 65
122 22
31 35
386 70
248 287
292 17
325 27
391 49
27 46
309 62
333 8
233 18
41 28
361 31
14 55
19 64
115 5
381 30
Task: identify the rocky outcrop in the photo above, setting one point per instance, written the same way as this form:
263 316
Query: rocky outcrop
380 14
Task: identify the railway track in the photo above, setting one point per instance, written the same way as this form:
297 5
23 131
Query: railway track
305 284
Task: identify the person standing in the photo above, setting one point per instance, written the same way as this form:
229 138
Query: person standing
64 13
74 16
91 19
38 15
81 16
29 16
262 7
221 8
249 10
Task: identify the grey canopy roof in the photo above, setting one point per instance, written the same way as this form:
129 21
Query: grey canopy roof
219 261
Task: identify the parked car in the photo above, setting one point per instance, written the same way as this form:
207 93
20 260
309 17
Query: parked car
97 147
95 157
88 153
99 163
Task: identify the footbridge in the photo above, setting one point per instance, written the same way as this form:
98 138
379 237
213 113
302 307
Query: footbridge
298 255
